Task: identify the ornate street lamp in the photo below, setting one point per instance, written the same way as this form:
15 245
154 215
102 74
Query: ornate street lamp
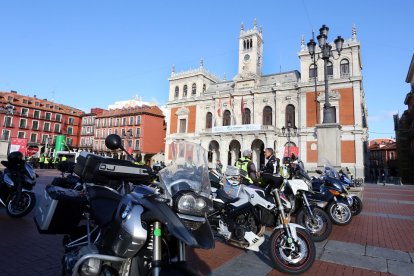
288 132
329 113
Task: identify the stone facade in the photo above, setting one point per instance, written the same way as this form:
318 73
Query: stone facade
249 111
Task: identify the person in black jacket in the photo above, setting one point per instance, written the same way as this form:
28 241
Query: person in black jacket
270 172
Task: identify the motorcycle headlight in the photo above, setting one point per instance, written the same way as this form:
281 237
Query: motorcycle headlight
191 204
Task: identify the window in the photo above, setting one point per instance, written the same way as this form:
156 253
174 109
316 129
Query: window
97 121
204 88
97 133
45 139
117 121
104 122
313 71
267 116
116 132
9 98
71 120
194 89
290 115
226 118
344 68
209 120
5 134
103 133
57 128
109 131
123 132
131 121
58 117
46 127
183 125
185 91
138 133
330 69
129 143
246 117
136 145
35 125
123 121
36 114
25 101
33 138
48 116
21 134
69 141
37 103
25 112
138 120
110 122
23 123
177 92
47 105
70 130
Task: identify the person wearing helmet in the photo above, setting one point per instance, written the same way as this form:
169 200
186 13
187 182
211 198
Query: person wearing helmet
245 164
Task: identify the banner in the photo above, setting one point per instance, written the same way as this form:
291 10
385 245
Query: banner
60 144
236 128
293 150
18 144
33 151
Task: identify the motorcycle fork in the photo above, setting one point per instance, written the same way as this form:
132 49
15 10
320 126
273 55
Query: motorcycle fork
157 249
282 215
305 199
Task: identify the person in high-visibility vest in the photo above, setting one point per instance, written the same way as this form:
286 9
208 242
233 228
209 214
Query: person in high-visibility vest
46 162
245 164
64 158
42 161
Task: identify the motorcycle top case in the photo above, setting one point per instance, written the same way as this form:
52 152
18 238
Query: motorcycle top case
60 210
108 171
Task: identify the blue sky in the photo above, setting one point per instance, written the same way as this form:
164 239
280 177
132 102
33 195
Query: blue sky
93 53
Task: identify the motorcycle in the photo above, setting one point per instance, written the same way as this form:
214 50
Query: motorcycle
241 214
141 231
332 196
357 205
16 185
312 217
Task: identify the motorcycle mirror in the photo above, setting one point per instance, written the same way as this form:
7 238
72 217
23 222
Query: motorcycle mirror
318 171
113 142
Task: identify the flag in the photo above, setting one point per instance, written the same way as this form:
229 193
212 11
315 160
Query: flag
242 106
219 109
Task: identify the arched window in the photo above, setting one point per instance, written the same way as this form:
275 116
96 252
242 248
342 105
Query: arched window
209 120
185 91
290 115
177 92
313 71
330 69
204 88
194 89
246 117
344 68
226 118
267 116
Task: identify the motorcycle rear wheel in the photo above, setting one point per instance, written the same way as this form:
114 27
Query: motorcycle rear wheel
23 207
340 213
319 227
295 261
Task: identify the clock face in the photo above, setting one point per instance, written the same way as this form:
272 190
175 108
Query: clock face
246 57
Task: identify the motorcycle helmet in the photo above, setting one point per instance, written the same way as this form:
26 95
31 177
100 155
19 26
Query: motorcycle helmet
15 157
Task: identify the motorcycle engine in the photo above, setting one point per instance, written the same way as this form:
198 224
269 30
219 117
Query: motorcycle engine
90 267
242 224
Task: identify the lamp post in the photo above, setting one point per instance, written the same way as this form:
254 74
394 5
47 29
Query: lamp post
289 131
329 113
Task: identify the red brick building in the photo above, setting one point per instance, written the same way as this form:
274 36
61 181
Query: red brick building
38 120
87 133
141 128
383 158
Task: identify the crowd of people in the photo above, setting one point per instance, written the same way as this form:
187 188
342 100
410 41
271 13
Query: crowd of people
45 162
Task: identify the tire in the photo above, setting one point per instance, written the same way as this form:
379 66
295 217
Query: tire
25 206
281 256
357 206
339 212
320 227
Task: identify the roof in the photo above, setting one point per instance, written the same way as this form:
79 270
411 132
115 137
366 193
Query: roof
138 110
382 144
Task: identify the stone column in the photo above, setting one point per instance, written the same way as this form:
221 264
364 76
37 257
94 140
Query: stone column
329 144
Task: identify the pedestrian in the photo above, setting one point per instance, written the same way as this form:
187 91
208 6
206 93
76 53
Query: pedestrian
270 172
42 161
246 165
383 179
46 162
219 166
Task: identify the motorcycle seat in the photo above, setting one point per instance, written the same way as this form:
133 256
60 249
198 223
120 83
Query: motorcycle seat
226 199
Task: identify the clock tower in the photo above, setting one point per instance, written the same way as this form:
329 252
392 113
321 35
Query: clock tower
250 52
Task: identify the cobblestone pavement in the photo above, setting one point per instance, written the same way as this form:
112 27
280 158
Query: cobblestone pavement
377 242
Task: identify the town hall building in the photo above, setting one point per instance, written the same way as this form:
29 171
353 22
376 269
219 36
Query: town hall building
254 111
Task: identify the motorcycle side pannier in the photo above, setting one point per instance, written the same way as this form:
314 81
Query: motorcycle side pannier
59 210
110 172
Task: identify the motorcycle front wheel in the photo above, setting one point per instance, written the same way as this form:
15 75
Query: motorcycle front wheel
340 213
357 206
21 208
319 226
295 257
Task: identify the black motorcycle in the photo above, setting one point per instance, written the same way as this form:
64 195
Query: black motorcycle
141 230
16 185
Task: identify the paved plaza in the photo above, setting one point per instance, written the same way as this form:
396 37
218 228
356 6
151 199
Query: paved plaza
377 242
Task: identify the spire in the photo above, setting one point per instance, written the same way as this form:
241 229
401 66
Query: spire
242 26
255 24
260 29
172 69
354 33
302 43
201 63
224 77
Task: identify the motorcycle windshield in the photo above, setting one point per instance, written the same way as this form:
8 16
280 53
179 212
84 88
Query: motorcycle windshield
330 170
300 170
29 171
187 171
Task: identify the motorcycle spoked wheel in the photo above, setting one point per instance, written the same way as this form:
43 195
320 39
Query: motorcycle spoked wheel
294 259
340 213
319 227
357 206
25 205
